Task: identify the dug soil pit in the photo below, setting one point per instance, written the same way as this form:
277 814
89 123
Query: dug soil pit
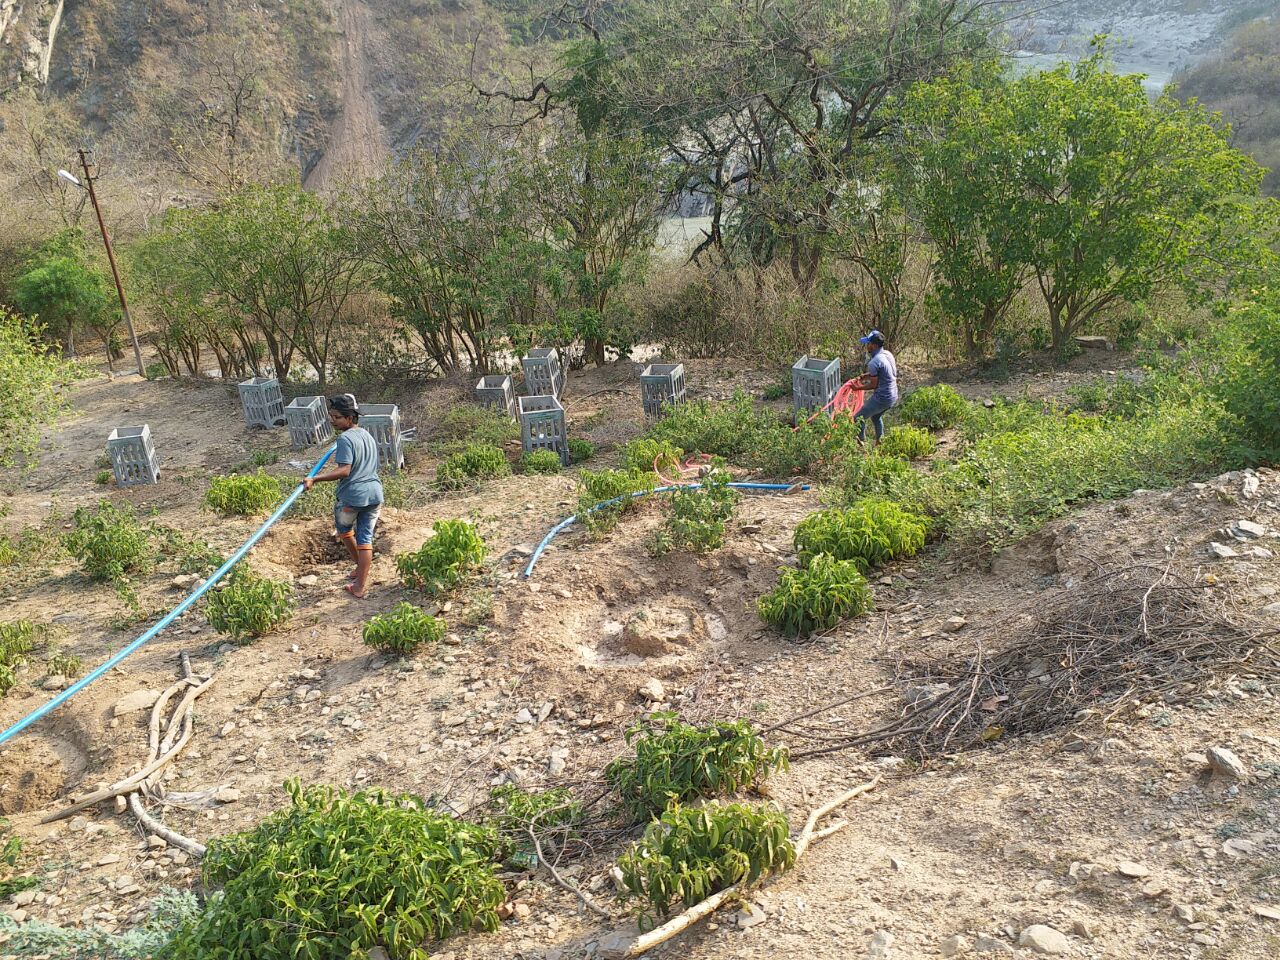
36 770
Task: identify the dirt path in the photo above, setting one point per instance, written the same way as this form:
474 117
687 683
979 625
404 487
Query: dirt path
356 143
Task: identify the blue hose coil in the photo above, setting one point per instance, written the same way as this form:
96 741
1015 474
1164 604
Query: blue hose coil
533 560
168 618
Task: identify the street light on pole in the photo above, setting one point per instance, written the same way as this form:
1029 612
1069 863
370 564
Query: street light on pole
111 256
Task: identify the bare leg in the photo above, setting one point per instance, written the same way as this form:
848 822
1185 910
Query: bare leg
364 565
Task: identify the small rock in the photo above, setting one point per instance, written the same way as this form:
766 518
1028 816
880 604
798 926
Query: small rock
1239 847
1222 551
616 876
156 843
1248 530
1184 912
55 681
1134 871
1267 913
955 624
522 911
377 953
227 795
556 764
1082 929
653 691
524 716
24 898
881 946
1046 940
749 916
310 580
1154 889
1249 489
108 859
133 702
954 946
1226 763
896 865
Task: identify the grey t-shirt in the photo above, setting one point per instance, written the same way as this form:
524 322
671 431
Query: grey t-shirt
883 365
360 488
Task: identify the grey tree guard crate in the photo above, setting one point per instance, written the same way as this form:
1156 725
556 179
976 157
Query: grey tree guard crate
133 458
542 374
497 393
308 419
542 426
661 383
383 421
262 402
814 382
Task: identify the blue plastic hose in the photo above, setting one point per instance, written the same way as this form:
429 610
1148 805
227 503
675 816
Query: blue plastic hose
168 618
533 560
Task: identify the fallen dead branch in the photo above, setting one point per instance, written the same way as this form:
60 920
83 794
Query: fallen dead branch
178 731
1130 634
623 947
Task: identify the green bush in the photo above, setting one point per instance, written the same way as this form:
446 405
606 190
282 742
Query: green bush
698 516
17 639
244 495
1009 484
540 462
871 532
248 606
934 407
34 937
335 874
10 855
908 442
453 552
674 761
64 665
477 462
1242 360
553 815
600 487
109 542
648 455
688 854
103 478
580 451
880 475
464 425
403 630
734 430
816 597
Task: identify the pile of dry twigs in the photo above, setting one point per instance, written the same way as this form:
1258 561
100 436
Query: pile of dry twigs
1130 634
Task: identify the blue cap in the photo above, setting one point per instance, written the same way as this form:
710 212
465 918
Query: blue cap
875 336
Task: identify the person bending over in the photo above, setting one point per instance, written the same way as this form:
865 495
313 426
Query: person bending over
359 495
881 379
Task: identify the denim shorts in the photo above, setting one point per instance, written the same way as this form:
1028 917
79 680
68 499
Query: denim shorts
363 519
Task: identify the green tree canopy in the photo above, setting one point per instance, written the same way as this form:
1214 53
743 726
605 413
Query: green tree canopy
31 376
1074 178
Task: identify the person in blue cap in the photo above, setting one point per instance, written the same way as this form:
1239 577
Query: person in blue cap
881 379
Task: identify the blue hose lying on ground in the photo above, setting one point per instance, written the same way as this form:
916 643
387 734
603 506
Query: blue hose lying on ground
533 560
168 618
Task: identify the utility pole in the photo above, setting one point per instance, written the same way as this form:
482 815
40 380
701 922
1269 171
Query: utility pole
111 258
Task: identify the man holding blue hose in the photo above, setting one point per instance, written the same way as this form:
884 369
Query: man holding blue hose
881 379
359 494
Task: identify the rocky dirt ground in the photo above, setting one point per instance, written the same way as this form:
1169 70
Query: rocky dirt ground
1110 838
